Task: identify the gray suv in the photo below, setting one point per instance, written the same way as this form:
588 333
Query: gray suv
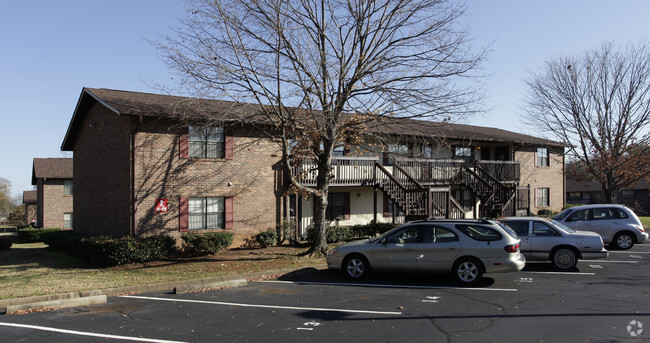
617 224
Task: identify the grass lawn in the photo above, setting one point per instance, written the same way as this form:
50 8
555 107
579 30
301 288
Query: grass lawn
33 269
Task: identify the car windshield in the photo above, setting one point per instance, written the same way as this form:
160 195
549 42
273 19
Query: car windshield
562 214
561 226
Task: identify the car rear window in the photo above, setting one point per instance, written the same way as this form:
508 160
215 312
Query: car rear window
479 233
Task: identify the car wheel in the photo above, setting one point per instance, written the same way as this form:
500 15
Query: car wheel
564 258
467 271
356 267
623 241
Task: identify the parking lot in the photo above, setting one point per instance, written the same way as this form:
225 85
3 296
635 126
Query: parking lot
599 301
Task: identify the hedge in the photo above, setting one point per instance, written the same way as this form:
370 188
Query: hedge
348 233
31 235
207 243
110 251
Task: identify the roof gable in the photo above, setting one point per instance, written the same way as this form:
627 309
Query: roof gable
52 168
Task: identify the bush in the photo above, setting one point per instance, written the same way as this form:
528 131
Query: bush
545 212
347 233
208 243
31 235
286 231
5 243
110 251
267 238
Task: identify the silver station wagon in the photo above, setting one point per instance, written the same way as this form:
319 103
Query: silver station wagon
466 248
617 224
544 239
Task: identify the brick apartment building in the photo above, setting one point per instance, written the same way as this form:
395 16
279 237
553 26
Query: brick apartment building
54 193
30 201
139 170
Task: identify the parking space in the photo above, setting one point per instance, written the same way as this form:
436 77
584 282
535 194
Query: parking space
596 302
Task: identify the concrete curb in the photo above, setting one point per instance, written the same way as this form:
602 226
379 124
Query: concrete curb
93 297
61 303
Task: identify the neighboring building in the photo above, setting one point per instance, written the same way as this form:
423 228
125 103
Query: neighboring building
30 201
636 197
139 170
53 180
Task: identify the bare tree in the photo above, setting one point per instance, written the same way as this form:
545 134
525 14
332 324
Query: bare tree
599 104
322 70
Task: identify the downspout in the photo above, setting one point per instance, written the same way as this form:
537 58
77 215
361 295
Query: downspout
134 130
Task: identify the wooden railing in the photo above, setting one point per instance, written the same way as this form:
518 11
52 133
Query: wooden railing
346 171
504 171
433 172
407 193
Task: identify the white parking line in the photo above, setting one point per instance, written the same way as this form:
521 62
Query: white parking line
609 261
559 273
261 306
90 334
392 286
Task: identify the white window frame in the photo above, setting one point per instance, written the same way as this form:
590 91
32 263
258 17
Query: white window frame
542 158
68 188
68 220
206 213
539 196
207 142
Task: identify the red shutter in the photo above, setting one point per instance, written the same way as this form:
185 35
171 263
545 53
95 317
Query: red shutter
229 202
230 145
184 214
184 143
346 200
385 197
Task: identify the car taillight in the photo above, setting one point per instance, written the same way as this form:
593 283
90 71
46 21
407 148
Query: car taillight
512 247
640 228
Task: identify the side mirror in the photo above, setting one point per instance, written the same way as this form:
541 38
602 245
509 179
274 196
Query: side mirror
383 240
568 220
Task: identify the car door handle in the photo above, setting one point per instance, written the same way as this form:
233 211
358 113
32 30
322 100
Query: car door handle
451 248
409 249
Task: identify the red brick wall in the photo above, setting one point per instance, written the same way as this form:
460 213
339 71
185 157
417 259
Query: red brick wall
250 177
101 174
54 203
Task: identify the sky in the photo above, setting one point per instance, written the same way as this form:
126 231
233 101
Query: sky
50 50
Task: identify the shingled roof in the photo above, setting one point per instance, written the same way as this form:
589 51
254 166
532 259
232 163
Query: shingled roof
29 197
177 107
51 168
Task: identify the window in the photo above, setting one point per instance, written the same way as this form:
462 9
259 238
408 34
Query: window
395 151
206 213
574 196
409 234
519 226
463 152
541 229
464 197
542 157
339 151
578 216
335 206
67 220
67 187
442 235
543 199
206 142
479 233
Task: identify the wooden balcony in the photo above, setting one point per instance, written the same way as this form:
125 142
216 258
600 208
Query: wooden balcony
360 171
346 171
